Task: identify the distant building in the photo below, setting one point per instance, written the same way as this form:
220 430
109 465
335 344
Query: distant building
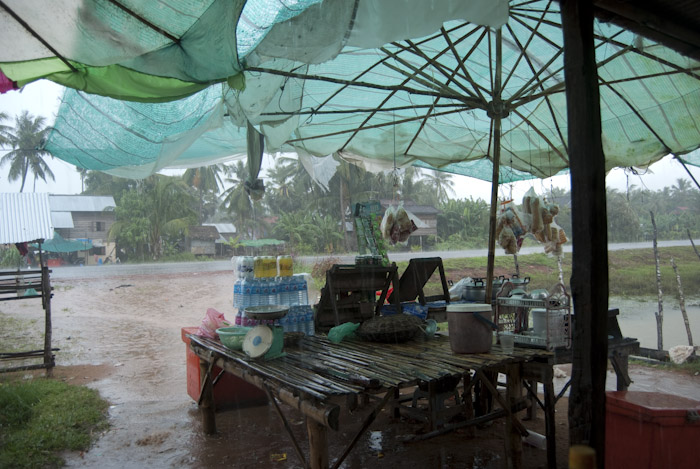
201 240
86 217
227 231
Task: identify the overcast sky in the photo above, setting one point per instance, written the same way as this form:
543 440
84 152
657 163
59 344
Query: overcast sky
43 98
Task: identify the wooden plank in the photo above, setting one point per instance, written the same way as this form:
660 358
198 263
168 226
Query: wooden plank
589 280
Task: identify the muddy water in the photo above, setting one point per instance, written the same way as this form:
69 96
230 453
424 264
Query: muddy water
122 336
637 319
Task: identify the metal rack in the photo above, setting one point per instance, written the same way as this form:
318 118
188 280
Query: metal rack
512 315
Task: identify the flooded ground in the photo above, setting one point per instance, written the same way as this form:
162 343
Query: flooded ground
121 336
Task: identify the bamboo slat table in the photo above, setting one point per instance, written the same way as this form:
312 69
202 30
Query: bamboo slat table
318 377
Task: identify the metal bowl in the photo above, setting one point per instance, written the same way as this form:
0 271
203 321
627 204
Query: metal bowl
266 312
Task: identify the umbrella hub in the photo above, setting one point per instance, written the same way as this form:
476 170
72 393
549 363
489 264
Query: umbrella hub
497 108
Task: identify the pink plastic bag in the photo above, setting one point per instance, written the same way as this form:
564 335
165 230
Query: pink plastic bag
211 322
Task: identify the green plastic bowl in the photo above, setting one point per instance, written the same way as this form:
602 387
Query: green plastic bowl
232 337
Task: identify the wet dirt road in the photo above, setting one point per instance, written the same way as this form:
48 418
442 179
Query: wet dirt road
121 336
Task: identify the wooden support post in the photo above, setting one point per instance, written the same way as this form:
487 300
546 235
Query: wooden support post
513 437
589 280
318 444
46 300
206 399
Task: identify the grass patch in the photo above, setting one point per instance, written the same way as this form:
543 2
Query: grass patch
42 417
19 334
630 272
690 367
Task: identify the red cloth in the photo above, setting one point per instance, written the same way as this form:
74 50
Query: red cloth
6 84
22 248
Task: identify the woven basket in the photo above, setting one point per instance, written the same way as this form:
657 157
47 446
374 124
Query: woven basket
390 329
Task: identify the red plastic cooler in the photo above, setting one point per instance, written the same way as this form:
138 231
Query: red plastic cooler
229 391
651 430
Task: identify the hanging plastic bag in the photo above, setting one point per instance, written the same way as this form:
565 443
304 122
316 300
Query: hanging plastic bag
388 221
211 322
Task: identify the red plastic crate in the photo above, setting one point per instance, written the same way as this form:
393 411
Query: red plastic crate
230 391
651 430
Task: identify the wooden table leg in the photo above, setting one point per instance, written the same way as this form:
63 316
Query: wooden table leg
318 444
206 400
468 403
620 363
531 413
549 422
513 438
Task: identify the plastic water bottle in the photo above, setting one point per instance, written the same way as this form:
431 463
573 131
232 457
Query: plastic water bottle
293 293
310 326
255 287
303 291
272 296
237 293
247 293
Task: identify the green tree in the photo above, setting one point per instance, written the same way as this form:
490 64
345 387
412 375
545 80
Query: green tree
99 183
623 222
26 155
160 209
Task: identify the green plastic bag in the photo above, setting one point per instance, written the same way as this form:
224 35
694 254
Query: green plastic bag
338 333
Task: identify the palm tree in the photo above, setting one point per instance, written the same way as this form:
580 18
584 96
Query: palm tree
235 198
442 185
26 155
4 129
204 179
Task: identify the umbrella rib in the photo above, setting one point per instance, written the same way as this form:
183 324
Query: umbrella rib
45 43
461 60
374 126
604 39
362 84
651 75
429 82
523 49
539 132
377 64
425 118
636 113
356 110
143 20
447 74
546 96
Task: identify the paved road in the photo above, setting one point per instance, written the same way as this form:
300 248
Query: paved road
118 270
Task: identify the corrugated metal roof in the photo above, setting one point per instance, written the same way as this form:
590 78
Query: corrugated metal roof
222 227
62 220
80 203
24 217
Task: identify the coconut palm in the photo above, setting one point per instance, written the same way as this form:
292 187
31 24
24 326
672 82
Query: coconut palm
441 183
26 155
205 179
235 198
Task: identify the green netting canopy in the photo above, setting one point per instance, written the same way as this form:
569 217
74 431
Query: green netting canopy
59 244
385 81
